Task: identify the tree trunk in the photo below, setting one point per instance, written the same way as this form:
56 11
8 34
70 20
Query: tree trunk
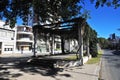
62 45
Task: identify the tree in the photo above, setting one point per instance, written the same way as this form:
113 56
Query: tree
113 3
93 43
86 37
43 10
47 10
90 40
104 43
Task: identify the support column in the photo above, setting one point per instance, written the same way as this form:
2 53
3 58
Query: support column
88 50
52 46
15 37
80 43
69 45
35 38
62 45
48 44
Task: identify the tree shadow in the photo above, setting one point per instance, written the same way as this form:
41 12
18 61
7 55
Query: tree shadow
66 75
116 53
35 67
84 73
117 65
6 75
44 67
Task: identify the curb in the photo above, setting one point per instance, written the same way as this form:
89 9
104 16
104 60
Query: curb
100 68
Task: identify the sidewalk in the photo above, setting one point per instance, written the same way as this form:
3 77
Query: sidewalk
86 72
14 71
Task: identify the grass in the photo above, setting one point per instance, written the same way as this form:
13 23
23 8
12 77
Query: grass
73 57
91 61
96 59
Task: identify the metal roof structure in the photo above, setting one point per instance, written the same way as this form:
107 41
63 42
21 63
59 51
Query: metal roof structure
66 28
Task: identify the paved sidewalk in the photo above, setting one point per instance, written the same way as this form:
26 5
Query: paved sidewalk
86 72
10 69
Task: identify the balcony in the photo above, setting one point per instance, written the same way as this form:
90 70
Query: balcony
24 40
24 32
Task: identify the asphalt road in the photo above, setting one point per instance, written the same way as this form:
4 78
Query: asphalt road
110 65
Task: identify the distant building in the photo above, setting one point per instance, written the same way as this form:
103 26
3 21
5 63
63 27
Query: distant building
114 41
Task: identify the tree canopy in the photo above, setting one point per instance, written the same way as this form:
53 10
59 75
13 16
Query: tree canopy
42 10
46 10
113 3
104 43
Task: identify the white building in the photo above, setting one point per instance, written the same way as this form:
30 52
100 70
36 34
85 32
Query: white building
44 45
7 38
20 39
24 39
15 40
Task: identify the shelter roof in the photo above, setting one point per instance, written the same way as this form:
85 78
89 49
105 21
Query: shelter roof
65 28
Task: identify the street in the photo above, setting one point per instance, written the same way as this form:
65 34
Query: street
110 68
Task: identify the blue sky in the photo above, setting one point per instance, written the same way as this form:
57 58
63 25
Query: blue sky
105 20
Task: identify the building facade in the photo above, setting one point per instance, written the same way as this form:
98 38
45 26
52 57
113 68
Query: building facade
20 39
16 40
24 39
44 44
7 38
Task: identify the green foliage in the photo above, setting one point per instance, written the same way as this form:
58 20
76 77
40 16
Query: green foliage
73 57
12 23
114 3
93 49
86 34
48 10
91 36
96 59
104 43
44 10
56 10
93 43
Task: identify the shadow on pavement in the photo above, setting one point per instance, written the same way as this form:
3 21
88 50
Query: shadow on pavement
12 67
90 74
116 53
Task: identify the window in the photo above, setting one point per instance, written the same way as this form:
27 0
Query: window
8 49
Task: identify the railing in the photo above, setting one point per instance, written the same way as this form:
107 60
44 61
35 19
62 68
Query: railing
25 39
24 30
